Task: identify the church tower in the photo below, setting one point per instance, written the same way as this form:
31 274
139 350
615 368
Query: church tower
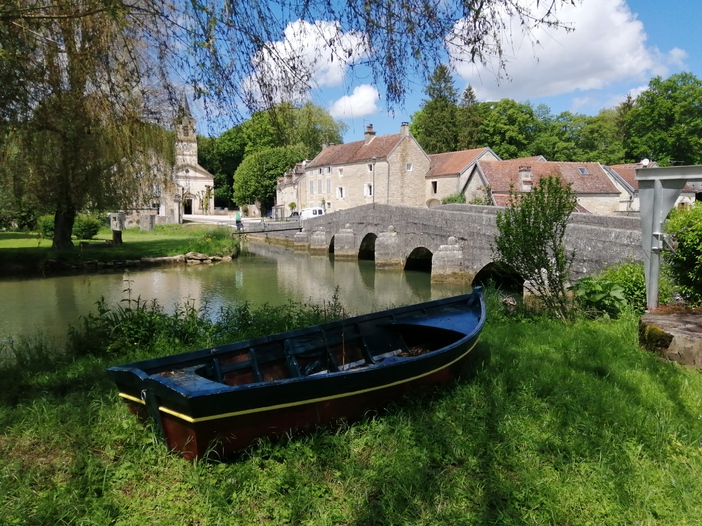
186 137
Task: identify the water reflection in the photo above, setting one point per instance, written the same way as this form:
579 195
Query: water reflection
264 274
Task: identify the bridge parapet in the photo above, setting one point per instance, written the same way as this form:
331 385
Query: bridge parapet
598 241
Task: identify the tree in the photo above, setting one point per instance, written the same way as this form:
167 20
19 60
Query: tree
257 175
665 122
531 241
84 139
467 121
685 262
434 125
508 127
308 125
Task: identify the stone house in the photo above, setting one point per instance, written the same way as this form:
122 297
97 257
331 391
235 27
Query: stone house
287 191
387 169
449 174
596 192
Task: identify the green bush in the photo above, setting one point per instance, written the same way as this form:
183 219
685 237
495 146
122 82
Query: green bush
453 198
600 296
685 262
630 278
86 227
215 242
45 226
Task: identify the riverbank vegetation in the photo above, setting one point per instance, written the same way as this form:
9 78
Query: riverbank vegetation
27 251
553 423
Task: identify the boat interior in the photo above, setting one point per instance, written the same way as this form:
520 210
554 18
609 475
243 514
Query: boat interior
325 351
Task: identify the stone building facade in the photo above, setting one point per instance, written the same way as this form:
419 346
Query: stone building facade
388 169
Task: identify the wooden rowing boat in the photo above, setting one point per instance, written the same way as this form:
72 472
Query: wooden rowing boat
225 398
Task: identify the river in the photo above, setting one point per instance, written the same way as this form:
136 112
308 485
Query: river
263 274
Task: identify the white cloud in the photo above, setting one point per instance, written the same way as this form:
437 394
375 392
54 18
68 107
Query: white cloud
362 102
607 46
310 55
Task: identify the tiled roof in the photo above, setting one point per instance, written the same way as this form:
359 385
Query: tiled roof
628 173
355 152
500 174
453 163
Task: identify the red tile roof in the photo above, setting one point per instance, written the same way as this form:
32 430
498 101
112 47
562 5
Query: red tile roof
628 173
500 174
453 163
357 151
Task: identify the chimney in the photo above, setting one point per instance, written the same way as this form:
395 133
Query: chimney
525 178
369 135
404 129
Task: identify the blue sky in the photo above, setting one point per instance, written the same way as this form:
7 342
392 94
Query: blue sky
616 47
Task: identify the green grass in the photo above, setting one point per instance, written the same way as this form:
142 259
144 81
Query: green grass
29 250
553 424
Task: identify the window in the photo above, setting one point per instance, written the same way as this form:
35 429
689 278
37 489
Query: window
434 187
311 187
408 167
319 186
370 167
368 189
583 171
340 192
341 172
328 169
319 171
328 185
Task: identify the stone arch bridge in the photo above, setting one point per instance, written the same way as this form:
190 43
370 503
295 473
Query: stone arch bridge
455 240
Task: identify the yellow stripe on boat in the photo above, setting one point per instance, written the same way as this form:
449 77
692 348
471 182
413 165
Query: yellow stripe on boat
192 420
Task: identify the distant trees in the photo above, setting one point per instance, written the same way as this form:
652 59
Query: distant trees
664 122
256 177
306 127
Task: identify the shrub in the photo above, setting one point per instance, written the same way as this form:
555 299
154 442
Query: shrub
629 277
685 262
531 240
454 198
86 227
45 226
215 242
600 296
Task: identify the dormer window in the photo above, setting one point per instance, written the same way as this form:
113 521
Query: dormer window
583 171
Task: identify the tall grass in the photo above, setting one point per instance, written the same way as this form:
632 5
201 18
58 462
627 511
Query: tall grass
553 423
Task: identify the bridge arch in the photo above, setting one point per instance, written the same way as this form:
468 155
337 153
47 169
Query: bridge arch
366 249
419 259
502 276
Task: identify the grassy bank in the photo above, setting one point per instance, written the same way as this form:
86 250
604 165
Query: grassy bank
22 250
556 424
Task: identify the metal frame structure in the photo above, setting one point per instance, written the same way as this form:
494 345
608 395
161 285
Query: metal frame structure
659 189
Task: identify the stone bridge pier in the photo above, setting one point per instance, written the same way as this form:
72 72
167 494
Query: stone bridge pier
455 241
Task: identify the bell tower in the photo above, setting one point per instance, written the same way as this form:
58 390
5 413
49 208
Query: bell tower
186 138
